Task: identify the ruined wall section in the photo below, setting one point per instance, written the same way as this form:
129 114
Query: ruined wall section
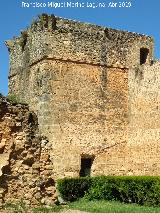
144 125
25 167
75 77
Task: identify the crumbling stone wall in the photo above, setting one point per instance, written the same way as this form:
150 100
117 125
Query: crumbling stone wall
25 165
58 38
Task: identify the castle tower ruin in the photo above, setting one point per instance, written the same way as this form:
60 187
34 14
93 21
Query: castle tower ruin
95 92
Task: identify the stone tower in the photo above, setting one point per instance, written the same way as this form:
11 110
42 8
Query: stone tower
90 87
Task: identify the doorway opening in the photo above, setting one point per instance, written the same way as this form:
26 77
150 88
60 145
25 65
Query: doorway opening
86 164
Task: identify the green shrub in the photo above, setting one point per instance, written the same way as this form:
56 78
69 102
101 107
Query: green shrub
141 190
73 188
102 188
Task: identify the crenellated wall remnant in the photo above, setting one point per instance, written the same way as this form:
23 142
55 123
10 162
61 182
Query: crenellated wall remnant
90 89
25 165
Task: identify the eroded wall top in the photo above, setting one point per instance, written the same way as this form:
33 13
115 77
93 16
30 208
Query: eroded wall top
54 37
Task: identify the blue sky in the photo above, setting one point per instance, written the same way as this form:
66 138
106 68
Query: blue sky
143 17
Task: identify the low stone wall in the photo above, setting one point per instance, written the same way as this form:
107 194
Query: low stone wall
25 167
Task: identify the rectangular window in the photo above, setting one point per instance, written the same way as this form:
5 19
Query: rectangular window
143 55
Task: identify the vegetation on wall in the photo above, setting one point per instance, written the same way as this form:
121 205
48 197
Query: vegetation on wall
14 99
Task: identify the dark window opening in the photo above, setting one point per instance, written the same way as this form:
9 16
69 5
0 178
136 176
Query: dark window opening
86 164
143 55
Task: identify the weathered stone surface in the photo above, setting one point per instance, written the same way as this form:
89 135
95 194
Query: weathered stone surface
20 157
94 93
144 125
